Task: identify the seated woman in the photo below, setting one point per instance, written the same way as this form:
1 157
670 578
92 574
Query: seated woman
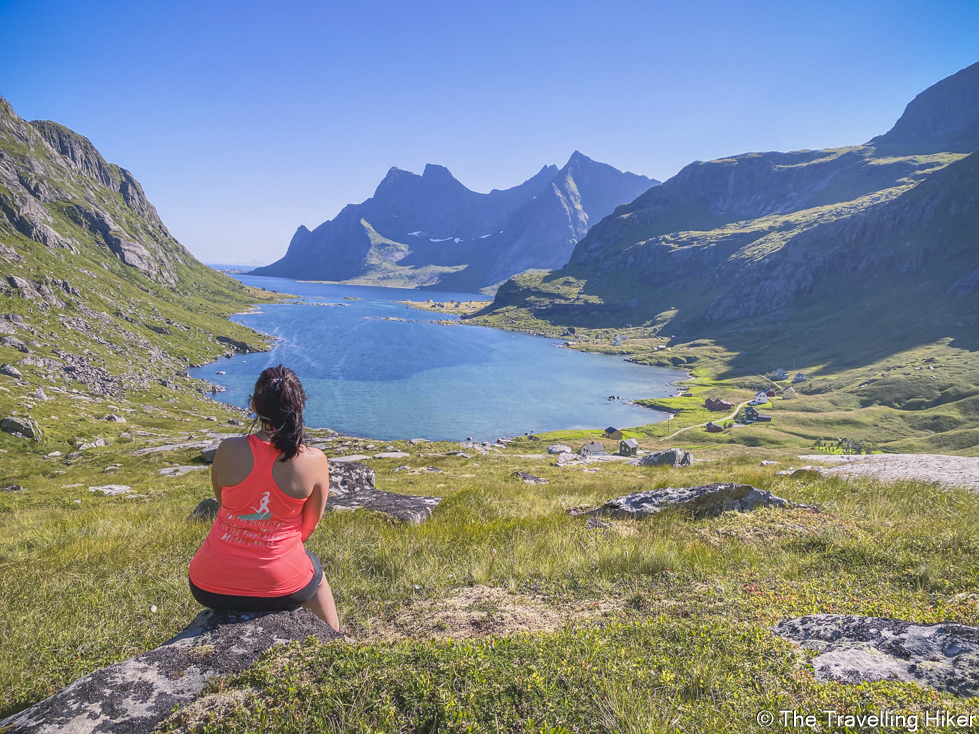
272 491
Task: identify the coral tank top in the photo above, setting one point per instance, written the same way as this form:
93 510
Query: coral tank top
254 547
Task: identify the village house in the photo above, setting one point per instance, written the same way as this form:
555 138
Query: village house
801 377
593 448
780 374
712 404
629 447
789 393
751 415
760 398
713 428
613 433
771 393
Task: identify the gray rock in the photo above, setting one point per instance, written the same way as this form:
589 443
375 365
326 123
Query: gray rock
416 441
25 427
567 458
855 649
352 457
403 467
597 524
112 490
39 394
708 500
10 371
96 444
208 452
433 470
14 343
135 695
460 454
13 488
671 457
113 418
559 448
392 455
179 471
206 510
352 487
769 463
802 471
529 478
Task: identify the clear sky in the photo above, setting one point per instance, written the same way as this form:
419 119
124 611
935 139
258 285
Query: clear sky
245 119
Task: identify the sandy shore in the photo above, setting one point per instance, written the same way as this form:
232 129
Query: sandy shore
950 471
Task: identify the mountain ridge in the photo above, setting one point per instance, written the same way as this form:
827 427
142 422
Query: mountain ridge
427 230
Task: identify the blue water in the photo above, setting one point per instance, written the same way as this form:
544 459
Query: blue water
371 377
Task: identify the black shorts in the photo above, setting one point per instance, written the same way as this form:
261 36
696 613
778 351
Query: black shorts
231 603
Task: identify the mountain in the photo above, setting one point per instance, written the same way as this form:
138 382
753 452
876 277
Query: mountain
430 229
791 236
944 117
96 292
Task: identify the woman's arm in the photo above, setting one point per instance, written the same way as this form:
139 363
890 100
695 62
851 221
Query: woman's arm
316 502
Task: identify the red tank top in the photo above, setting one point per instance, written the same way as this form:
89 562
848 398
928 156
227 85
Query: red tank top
254 547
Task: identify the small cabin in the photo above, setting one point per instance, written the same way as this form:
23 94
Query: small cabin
760 398
613 433
713 428
751 415
770 393
780 374
800 377
788 394
593 448
721 405
629 447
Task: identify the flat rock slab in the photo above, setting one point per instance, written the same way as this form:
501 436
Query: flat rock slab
949 471
707 500
855 649
392 455
173 447
352 457
528 478
352 487
133 696
676 458
179 471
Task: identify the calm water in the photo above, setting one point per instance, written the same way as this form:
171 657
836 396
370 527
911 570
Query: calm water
368 376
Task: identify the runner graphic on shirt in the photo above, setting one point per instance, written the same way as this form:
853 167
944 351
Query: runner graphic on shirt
261 512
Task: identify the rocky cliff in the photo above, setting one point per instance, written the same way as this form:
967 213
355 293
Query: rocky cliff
430 229
95 290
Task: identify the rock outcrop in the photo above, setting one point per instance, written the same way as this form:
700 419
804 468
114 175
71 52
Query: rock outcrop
135 695
674 457
855 649
23 427
708 500
352 487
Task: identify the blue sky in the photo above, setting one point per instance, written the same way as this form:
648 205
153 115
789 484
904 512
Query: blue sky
245 119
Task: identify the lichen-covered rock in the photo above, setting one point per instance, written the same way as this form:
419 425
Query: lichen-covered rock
854 649
10 371
26 427
671 457
707 500
133 696
352 487
559 448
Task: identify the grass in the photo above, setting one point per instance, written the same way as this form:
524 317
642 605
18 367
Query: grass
646 604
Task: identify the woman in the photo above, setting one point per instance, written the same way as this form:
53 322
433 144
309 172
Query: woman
272 491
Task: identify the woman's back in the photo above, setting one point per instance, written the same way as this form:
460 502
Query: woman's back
255 546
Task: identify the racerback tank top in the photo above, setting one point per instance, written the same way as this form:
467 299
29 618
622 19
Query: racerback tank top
254 547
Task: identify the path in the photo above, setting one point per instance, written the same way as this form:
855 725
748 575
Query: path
699 425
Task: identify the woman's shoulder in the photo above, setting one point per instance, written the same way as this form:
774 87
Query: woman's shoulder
311 454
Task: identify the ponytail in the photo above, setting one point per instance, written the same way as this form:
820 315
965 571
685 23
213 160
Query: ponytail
279 400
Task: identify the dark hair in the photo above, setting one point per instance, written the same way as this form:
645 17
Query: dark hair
279 400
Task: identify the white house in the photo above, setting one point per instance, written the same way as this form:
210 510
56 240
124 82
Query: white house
760 399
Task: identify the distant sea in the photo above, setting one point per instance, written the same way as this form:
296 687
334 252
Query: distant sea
369 375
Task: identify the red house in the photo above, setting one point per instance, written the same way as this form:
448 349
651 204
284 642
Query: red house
713 428
771 393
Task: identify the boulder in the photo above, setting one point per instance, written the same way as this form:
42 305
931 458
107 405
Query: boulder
10 371
208 452
567 458
559 448
111 490
13 488
768 462
205 511
113 418
352 487
854 649
25 427
14 343
671 457
392 455
529 478
708 500
416 441
39 394
803 472
135 695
